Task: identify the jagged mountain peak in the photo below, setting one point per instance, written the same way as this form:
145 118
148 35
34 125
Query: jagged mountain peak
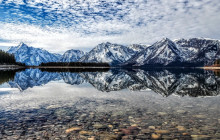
106 45
21 44
166 40
72 55
72 50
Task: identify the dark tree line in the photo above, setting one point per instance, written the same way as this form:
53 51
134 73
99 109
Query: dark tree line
75 64
6 58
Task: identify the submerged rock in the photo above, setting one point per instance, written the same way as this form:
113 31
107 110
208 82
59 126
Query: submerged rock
181 128
161 113
155 136
162 131
73 129
200 137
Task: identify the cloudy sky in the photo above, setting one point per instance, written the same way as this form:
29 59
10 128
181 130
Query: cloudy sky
59 25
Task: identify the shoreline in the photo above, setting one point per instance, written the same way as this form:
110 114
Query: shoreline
65 67
85 67
211 68
5 67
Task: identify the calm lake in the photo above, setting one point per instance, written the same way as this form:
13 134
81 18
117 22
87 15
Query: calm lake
110 104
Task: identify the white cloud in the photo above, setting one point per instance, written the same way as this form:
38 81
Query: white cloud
126 23
6 44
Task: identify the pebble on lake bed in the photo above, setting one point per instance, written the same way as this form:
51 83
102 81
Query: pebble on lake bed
110 126
199 137
181 111
99 126
85 133
73 129
181 128
155 136
152 127
200 116
162 131
161 113
91 138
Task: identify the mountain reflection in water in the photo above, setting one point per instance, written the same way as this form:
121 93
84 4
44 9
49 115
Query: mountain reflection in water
191 82
114 104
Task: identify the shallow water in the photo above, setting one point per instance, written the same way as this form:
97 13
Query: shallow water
114 104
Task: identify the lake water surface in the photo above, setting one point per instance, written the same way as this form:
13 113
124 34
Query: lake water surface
110 104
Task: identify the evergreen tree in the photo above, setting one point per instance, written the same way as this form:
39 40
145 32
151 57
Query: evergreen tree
6 58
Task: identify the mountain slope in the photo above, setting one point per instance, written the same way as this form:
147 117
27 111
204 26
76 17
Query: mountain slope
161 53
200 50
72 56
32 56
192 52
111 53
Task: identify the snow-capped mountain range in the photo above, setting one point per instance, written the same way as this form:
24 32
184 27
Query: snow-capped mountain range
182 52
